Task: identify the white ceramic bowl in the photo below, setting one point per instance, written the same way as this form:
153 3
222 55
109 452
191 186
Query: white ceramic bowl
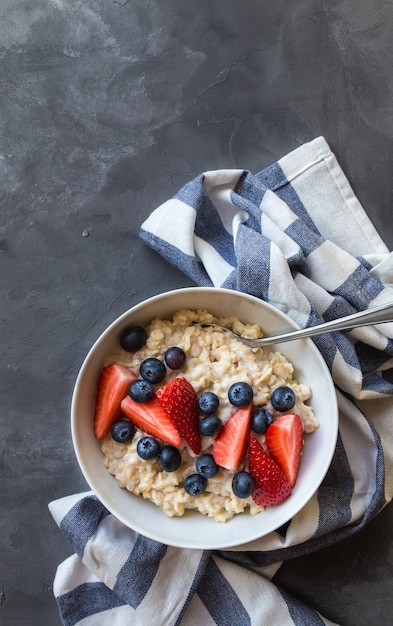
194 530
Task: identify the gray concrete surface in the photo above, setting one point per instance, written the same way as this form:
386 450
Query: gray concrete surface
106 109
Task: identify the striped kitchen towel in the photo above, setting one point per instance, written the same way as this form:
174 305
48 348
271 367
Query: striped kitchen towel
296 236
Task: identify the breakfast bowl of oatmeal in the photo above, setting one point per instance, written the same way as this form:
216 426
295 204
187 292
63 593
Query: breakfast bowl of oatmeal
192 437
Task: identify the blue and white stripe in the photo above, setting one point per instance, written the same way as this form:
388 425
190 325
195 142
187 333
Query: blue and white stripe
296 236
228 229
119 577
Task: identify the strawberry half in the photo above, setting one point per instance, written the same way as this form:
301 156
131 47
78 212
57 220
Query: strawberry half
270 484
284 441
152 419
111 389
179 399
230 445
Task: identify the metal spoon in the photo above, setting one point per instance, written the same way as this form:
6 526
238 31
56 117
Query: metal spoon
375 315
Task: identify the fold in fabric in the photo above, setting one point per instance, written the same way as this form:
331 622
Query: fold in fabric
274 235
119 577
295 236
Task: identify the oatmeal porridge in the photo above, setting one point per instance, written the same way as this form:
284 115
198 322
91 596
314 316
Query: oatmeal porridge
215 362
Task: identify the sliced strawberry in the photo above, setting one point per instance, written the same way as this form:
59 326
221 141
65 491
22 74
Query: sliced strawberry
181 403
230 444
284 441
152 419
111 389
270 484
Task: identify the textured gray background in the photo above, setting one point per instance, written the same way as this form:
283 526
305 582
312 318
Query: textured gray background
106 109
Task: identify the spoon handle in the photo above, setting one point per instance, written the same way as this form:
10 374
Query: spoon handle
376 315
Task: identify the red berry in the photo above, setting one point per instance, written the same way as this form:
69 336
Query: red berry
112 388
284 441
270 484
180 401
230 445
151 418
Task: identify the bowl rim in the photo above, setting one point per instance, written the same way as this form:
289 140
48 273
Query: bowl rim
192 542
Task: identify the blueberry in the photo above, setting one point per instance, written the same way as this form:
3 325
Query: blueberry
208 402
240 394
175 358
153 370
141 390
283 399
195 484
206 466
123 431
261 420
209 425
133 338
242 484
170 458
148 448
